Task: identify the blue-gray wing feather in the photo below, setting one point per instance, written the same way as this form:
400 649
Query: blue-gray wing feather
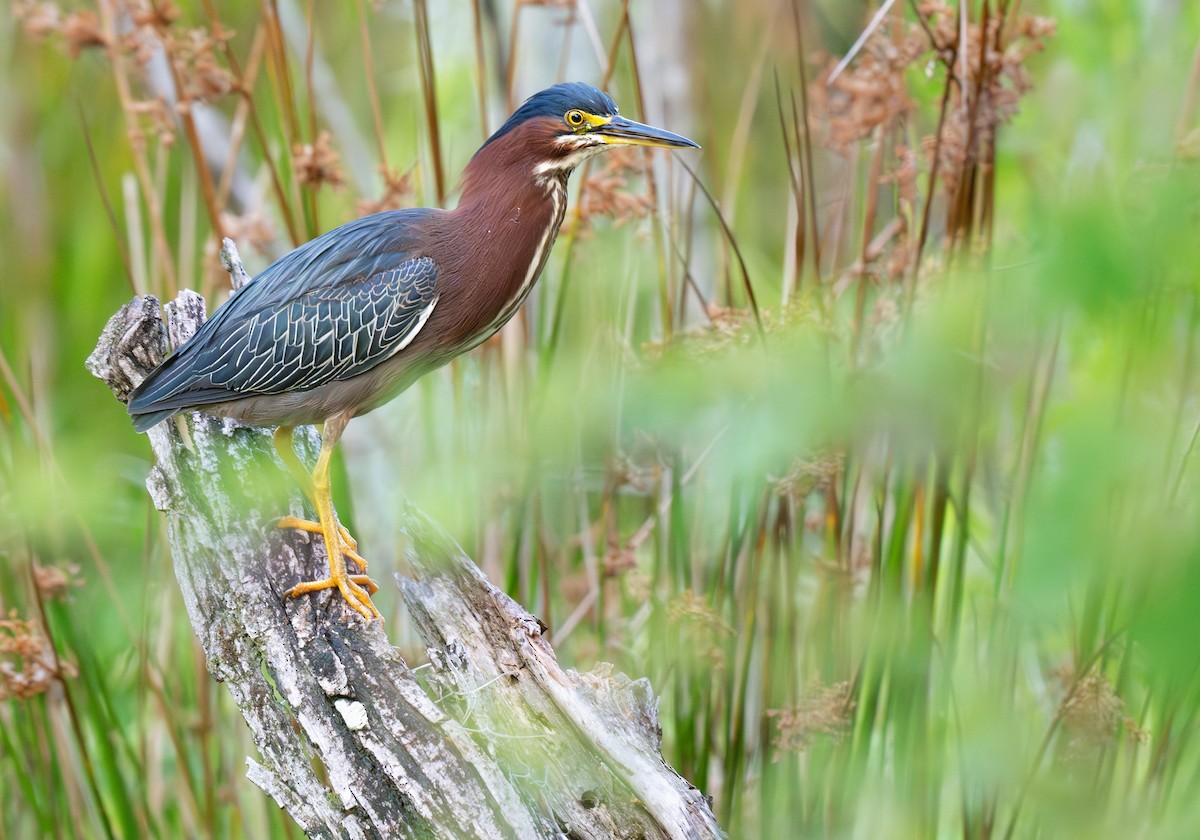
322 336
328 311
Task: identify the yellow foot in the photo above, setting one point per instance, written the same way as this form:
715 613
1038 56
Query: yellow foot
349 544
356 589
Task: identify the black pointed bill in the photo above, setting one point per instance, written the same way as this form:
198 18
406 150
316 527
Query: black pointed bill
619 131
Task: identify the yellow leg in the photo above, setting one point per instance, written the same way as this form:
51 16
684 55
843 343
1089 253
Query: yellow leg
287 453
355 589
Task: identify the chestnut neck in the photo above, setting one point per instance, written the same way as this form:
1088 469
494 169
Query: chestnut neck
491 248
504 170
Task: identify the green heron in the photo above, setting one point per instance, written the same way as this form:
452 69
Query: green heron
346 322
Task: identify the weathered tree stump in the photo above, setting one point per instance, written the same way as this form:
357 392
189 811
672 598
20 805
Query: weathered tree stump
495 740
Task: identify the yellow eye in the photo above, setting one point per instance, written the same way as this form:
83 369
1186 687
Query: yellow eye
575 118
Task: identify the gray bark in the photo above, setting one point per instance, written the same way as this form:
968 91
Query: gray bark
493 740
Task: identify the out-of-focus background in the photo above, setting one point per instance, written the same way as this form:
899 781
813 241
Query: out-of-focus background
870 444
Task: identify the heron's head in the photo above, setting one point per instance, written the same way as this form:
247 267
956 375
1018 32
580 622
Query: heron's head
559 128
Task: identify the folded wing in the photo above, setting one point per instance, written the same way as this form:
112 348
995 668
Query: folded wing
314 317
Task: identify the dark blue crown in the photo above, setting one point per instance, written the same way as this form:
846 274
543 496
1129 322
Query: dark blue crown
556 101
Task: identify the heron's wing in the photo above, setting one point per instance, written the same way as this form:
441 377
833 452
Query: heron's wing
322 336
330 310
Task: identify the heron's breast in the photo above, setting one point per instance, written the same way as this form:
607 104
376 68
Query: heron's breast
500 255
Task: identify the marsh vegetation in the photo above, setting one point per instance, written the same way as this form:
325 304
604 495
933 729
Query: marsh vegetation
867 435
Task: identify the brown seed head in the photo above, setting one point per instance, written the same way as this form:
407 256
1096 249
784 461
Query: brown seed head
318 163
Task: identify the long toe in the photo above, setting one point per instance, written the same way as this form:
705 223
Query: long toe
358 598
351 554
365 582
300 524
306 586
